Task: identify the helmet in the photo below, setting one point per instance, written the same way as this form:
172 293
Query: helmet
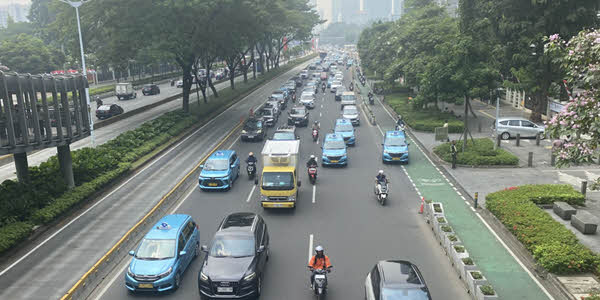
316 122
312 156
380 171
251 154
319 248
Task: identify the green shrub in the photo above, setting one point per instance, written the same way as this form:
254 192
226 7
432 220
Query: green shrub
13 233
487 290
554 246
468 261
459 248
476 275
441 220
446 228
453 238
422 119
480 153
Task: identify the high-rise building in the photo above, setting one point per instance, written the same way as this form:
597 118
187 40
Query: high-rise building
17 10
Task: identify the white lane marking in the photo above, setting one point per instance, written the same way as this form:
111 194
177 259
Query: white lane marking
317 141
185 197
310 246
320 114
109 194
463 197
515 257
459 193
314 193
112 280
380 130
488 226
251 193
471 207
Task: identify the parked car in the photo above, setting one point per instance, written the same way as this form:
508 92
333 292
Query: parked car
164 254
253 130
511 126
219 171
395 279
298 116
236 258
108 110
124 90
150 89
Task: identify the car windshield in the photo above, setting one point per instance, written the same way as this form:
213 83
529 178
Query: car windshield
216 165
350 111
253 125
297 111
306 97
232 246
348 97
343 127
395 142
147 86
278 181
284 136
400 294
153 249
334 145
266 113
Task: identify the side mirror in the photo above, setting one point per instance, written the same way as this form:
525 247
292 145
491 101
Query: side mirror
260 249
132 253
201 166
299 183
204 248
182 253
382 144
408 144
233 166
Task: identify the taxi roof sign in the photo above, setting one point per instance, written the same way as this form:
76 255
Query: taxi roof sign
163 226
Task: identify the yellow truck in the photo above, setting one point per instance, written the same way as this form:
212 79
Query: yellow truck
279 180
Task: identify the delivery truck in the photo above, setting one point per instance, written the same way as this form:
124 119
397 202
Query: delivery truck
279 179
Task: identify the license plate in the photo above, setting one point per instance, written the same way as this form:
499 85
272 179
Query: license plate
225 289
212 184
250 136
298 122
334 161
145 286
319 276
277 205
395 158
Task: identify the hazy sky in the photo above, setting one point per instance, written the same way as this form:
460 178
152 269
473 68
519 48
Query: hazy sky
15 1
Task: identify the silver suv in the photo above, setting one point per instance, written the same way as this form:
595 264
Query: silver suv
511 126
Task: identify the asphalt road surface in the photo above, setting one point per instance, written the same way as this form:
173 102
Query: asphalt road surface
48 269
340 212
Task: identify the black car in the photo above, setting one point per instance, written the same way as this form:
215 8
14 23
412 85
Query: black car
298 116
253 130
108 110
234 264
395 279
150 89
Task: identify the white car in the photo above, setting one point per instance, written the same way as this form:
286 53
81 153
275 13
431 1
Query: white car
308 100
350 112
335 85
179 83
275 105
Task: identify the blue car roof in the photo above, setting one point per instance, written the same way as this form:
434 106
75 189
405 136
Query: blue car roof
222 154
167 227
333 137
342 121
395 133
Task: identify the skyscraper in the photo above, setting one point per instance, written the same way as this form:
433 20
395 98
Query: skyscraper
17 10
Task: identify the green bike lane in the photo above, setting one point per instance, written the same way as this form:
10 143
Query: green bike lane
510 280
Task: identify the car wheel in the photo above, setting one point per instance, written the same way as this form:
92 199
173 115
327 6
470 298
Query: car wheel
177 281
505 136
230 183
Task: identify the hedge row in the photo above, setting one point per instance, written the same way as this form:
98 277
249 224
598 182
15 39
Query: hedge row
554 246
423 120
479 153
47 198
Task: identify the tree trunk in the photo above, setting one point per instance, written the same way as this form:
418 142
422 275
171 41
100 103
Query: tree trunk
187 85
212 87
466 123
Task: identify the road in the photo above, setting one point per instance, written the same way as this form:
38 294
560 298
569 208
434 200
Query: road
342 216
48 269
109 132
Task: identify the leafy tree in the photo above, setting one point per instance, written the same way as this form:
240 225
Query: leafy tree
27 54
15 28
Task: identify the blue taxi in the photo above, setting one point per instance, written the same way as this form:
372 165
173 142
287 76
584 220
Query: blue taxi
344 128
395 147
219 171
163 255
334 150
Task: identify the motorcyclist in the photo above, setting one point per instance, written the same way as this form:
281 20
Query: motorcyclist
316 125
370 94
319 261
98 102
312 162
400 123
323 86
380 179
251 158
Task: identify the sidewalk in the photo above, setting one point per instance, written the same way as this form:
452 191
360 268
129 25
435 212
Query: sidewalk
503 271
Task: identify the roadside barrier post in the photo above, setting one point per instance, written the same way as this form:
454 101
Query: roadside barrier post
537 139
584 187
498 140
552 159
422 204
530 159
518 139
479 126
476 198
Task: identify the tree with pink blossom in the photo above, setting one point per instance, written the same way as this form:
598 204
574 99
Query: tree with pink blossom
580 118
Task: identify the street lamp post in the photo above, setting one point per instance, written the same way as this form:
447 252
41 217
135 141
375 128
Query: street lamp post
76 5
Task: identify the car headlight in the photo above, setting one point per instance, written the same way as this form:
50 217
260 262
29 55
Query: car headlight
292 198
203 276
244 131
250 276
264 198
165 274
129 272
404 152
259 131
386 152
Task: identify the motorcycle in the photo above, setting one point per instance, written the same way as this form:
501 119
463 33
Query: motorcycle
400 127
315 134
323 88
251 169
381 191
312 175
351 87
320 284
371 99
294 98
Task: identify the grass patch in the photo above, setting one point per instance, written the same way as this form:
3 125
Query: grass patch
479 153
422 120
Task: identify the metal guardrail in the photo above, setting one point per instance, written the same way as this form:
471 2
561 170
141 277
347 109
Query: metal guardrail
28 121
87 283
